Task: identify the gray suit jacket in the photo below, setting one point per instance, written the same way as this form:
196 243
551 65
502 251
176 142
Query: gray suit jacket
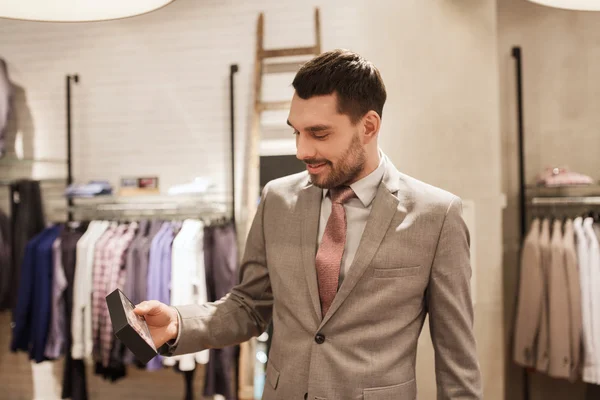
559 336
530 299
413 258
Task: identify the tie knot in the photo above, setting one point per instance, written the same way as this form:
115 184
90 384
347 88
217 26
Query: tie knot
342 194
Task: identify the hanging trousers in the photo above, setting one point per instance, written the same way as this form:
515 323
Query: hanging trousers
27 220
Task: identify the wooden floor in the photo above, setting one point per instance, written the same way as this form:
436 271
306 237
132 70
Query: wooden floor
17 378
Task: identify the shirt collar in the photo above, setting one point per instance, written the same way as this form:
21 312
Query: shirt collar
366 188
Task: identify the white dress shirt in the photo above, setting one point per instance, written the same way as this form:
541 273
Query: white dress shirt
357 212
589 363
594 266
81 320
188 281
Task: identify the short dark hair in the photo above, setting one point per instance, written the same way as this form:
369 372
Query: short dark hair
356 82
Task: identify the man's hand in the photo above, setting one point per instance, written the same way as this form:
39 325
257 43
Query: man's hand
162 320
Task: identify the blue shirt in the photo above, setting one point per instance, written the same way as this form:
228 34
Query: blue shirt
156 285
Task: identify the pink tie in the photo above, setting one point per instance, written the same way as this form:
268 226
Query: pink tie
329 255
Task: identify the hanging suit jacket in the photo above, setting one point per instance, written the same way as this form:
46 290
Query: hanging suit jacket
543 345
529 307
558 308
413 259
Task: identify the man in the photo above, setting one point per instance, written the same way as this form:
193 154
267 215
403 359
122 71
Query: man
346 259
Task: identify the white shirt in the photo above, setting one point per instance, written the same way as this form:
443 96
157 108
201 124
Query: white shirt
357 212
589 372
594 267
81 320
188 281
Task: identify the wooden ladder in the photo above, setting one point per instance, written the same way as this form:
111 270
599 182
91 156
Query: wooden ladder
252 165
262 68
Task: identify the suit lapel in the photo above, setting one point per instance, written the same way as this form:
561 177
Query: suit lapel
309 204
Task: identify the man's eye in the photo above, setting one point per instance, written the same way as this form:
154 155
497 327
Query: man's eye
321 137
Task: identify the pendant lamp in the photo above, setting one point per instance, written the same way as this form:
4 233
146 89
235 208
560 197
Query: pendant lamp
580 5
77 10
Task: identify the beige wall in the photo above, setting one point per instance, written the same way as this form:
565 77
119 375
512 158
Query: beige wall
158 83
441 125
561 57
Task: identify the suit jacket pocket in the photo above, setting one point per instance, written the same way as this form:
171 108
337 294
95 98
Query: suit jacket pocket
395 272
272 375
403 391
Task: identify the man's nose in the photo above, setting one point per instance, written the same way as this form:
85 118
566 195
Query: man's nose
304 148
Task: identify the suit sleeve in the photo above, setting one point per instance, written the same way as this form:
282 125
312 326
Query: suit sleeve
451 311
240 315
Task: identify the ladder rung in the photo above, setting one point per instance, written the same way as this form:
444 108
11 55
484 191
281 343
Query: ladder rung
295 51
275 105
278 68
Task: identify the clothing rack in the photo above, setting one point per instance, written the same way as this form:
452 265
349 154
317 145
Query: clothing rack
536 202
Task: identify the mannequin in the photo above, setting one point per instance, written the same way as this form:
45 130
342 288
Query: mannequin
5 99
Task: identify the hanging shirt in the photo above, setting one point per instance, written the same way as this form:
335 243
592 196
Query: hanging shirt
188 281
158 288
117 264
594 266
58 319
102 260
575 318
81 322
589 356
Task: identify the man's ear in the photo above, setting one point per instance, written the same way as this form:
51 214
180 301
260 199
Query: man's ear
371 123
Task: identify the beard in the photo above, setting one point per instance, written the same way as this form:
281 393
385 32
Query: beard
349 166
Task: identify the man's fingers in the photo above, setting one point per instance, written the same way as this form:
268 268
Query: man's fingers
151 307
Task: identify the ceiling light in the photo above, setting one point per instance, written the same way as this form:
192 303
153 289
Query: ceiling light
77 10
581 5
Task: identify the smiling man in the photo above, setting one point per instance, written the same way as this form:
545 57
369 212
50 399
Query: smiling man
346 259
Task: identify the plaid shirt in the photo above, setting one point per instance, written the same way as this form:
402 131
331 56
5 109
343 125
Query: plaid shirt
115 271
101 264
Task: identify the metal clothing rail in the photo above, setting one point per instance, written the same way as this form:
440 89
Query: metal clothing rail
209 213
565 201
516 53
53 181
175 206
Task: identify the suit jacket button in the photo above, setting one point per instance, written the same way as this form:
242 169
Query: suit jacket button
320 338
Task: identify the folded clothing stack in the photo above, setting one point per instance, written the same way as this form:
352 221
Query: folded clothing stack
554 177
90 189
198 185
